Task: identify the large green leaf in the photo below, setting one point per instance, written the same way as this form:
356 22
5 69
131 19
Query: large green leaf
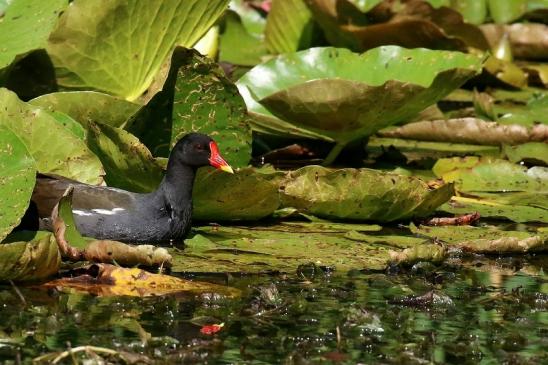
249 194
346 96
277 248
285 33
17 178
55 149
360 194
206 101
117 46
89 106
29 256
128 163
25 27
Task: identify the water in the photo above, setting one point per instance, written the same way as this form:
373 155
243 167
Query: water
487 311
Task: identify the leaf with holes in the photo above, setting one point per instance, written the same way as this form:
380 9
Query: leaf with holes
206 101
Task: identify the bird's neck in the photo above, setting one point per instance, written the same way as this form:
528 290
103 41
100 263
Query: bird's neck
176 187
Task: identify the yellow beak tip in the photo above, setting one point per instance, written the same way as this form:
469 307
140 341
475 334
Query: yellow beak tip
227 168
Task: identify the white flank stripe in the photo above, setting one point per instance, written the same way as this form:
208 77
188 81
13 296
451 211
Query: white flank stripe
81 212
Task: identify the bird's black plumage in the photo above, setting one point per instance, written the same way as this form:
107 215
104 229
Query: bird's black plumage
161 216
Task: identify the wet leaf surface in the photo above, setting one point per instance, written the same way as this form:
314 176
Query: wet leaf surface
283 249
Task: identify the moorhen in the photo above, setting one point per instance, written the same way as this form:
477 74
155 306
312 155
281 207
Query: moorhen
109 213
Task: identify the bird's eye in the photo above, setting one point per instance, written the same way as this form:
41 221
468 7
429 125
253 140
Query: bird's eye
199 147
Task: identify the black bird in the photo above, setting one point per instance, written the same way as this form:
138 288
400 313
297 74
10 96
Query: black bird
161 216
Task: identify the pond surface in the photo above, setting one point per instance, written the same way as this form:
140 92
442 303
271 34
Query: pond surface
482 310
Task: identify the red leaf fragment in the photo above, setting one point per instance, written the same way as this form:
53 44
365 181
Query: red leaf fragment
211 329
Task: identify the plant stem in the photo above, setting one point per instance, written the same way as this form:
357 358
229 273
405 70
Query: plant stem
333 153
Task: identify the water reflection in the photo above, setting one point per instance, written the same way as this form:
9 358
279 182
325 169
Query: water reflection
490 311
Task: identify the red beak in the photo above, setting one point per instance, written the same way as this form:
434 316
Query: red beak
216 160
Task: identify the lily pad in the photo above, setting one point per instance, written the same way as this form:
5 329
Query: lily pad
29 256
118 46
533 153
496 188
518 207
346 96
267 249
249 194
54 148
415 150
17 178
128 163
469 130
360 194
471 174
89 106
25 27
